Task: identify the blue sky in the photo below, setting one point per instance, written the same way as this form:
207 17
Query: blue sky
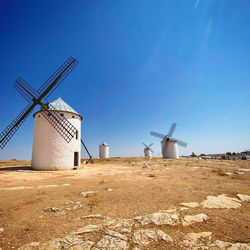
142 65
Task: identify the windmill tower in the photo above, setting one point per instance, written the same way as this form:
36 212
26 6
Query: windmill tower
58 154
147 150
169 144
60 118
103 150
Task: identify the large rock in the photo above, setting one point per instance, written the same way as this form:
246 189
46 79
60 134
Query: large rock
122 225
190 219
58 244
159 218
145 236
190 204
88 229
218 244
192 238
112 240
221 201
243 197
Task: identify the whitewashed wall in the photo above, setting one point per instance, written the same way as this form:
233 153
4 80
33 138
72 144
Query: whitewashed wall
147 152
50 151
103 151
172 150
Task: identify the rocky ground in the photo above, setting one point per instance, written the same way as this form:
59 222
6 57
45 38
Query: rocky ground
122 204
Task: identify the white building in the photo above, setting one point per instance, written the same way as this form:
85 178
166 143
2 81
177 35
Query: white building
169 149
103 150
147 152
50 151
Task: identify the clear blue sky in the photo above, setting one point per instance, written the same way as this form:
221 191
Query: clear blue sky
142 65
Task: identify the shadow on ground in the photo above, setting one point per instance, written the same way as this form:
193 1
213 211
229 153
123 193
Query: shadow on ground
16 168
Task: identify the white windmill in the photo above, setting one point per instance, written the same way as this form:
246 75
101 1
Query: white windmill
103 150
147 150
50 151
57 134
169 144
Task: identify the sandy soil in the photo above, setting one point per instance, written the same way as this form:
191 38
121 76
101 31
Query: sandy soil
24 194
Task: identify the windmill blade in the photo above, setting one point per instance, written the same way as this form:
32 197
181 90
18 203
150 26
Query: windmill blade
54 81
60 123
12 128
25 89
157 134
151 150
22 92
172 129
144 144
181 143
150 145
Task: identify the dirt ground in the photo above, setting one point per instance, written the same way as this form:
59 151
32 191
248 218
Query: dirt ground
123 190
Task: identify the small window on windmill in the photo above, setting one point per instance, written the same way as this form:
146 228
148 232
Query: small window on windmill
76 134
73 116
38 116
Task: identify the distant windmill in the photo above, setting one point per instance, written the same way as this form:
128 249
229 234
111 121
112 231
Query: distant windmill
36 97
169 144
147 150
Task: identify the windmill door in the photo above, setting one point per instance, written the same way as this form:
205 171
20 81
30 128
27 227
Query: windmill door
76 158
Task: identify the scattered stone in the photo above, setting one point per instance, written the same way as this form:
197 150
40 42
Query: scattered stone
109 189
243 197
192 238
184 208
112 240
15 188
244 169
88 229
60 213
145 165
69 242
51 209
190 219
1 229
145 236
88 194
220 201
229 246
69 203
190 204
159 218
238 172
77 206
123 225
30 246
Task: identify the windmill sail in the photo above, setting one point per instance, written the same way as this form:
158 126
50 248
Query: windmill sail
34 97
60 123
12 128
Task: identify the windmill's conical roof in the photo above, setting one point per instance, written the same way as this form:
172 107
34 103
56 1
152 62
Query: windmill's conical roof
60 105
103 144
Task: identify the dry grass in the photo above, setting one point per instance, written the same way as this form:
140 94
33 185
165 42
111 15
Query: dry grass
239 177
219 172
15 163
